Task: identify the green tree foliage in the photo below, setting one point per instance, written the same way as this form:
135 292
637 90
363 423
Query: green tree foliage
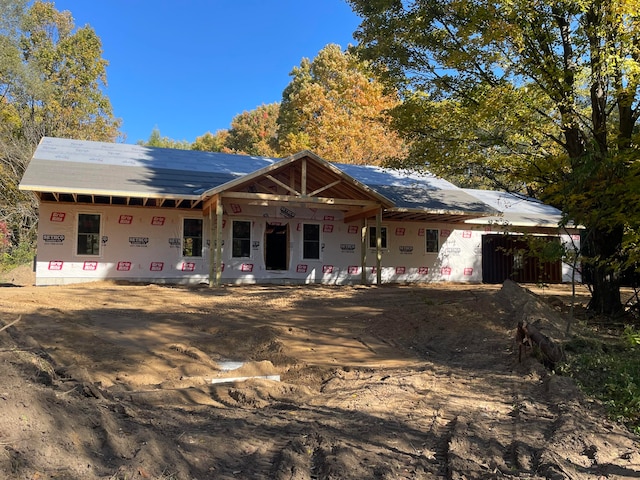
157 140
254 132
335 107
534 96
51 79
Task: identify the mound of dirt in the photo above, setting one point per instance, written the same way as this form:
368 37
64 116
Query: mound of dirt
114 382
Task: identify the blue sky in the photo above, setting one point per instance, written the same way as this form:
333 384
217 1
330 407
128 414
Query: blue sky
188 67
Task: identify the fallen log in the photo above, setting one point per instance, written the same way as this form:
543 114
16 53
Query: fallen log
549 351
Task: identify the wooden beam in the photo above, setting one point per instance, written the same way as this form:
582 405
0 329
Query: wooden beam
282 184
218 244
302 199
212 243
219 213
326 187
363 252
379 247
263 188
364 213
303 177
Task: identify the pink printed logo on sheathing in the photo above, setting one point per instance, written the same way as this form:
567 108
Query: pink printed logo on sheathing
353 269
327 269
352 229
125 219
421 232
400 231
466 234
374 270
445 270
445 233
235 208
56 264
157 221
123 266
328 228
468 271
57 217
156 266
299 227
188 267
423 270
400 270
91 266
329 218
246 267
301 268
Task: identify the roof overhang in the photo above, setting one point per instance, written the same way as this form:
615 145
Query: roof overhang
429 215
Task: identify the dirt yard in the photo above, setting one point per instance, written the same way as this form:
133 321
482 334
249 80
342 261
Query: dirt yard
107 381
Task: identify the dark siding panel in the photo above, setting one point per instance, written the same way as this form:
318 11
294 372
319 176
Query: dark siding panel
500 260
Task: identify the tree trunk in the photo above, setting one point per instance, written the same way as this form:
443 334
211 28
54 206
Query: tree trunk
605 275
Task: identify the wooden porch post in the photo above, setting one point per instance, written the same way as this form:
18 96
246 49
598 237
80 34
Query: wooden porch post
212 242
379 246
219 241
363 252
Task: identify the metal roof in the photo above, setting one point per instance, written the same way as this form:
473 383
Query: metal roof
516 210
117 169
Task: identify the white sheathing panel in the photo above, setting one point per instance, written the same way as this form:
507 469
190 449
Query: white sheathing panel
145 244
137 244
571 244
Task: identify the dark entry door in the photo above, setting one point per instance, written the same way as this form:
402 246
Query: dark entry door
505 256
276 247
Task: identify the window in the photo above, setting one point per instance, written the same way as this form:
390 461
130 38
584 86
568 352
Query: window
241 241
311 241
372 237
192 237
432 240
88 234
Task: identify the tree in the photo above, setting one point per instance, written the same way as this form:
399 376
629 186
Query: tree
51 80
157 140
541 96
335 107
210 142
254 132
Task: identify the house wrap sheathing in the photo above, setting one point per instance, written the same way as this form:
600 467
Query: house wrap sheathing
141 214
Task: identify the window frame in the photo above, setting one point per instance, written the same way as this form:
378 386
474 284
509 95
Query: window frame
98 235
185 237
305 241
384 233
247 240
437 240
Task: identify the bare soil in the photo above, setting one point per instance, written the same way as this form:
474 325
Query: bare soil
110 381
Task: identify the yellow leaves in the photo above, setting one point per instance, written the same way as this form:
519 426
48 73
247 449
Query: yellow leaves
335 107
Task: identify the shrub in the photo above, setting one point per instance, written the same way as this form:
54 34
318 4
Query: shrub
610 372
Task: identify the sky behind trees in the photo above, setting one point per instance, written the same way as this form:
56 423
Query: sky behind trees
189 67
